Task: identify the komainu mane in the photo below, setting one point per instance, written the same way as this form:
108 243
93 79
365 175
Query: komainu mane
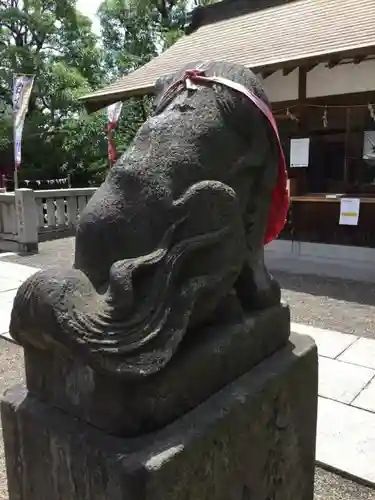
174 238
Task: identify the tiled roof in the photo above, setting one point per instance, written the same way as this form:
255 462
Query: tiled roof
294 31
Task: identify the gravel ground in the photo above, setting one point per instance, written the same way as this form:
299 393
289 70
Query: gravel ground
11 372
328 486
51 253
346 306
327 303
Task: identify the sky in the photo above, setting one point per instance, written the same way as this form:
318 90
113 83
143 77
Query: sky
89 8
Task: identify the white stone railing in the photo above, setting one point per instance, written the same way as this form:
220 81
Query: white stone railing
8 221
27 216
58 210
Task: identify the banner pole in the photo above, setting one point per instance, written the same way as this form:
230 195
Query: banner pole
15 177
15 173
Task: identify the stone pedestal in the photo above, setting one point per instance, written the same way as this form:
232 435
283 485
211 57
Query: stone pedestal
27 220
208 360
252 440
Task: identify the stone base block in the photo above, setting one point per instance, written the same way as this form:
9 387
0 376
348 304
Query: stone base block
28 248
209 359
252 440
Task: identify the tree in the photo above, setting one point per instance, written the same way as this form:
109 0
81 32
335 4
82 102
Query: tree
128 35
53 41
50 39
133 32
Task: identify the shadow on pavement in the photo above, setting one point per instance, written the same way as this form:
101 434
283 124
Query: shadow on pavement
338 289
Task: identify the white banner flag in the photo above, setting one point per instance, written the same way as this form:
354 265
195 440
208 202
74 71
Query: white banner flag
114 112
22 86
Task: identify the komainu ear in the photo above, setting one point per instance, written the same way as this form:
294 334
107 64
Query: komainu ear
161 85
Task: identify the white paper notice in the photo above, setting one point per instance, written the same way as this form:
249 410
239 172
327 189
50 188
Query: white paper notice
349 211
299 152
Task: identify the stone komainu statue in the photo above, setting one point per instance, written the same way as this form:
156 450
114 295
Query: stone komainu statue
174 238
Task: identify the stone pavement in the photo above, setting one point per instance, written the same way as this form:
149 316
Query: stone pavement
346 414
11 276
346 426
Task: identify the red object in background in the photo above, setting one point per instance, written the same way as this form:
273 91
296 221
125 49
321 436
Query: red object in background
112 152
113 115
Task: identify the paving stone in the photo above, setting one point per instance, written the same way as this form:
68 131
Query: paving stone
9 284
342 381
15 271
346 439
361 352
11 277
366 398
6 304
330 343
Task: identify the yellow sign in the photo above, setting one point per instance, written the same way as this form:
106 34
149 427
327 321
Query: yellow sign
349 211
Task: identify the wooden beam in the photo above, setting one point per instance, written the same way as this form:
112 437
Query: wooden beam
322 59
332 100
301 110
287 71
359 59
310 67
302 77
266 74
334 62
347 135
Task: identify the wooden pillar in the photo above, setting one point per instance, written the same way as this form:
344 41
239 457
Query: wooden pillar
302 77
347 135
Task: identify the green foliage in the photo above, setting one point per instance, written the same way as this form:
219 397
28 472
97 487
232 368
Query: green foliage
128 35
53 41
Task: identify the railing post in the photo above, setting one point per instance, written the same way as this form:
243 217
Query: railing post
27 222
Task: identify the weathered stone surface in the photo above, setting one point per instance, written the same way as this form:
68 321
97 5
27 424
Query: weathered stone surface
213 358
173 236
253 440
